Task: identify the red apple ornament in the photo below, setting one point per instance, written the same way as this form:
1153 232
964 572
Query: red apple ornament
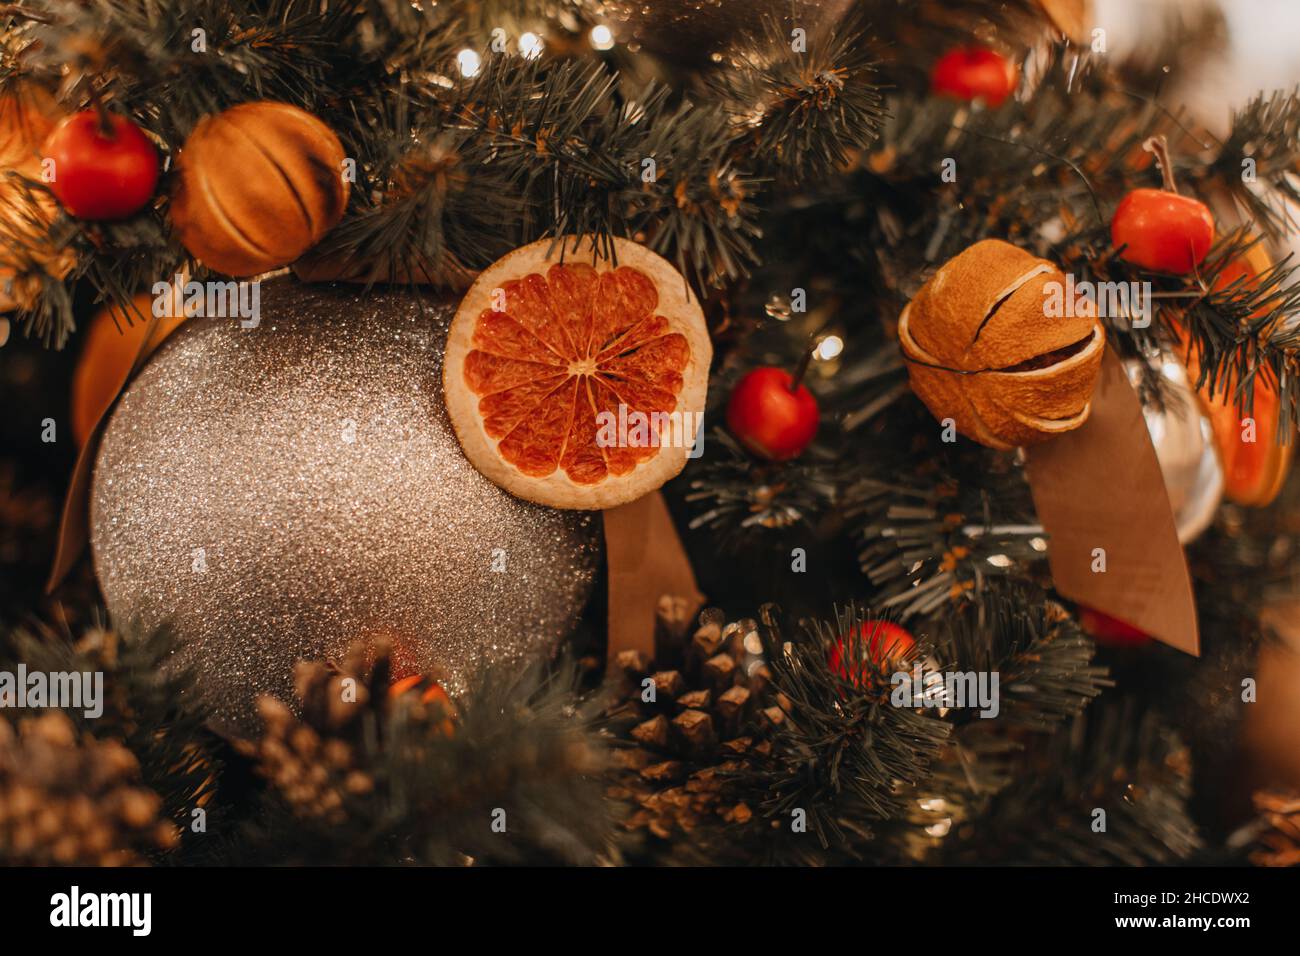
974 73
772 414
104 166
1160 230
1111 631
878 642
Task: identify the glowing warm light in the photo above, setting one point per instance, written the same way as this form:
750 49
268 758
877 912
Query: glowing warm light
828 348
468 62
939 829
530 46
602 38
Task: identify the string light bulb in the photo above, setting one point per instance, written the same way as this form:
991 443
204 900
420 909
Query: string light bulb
602 38
469 62
828 348
531 46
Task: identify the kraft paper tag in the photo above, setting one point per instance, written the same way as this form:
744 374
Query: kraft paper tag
1101 498
646 560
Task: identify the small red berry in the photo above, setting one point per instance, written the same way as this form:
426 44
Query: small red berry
1110 631
101 173
1162 231
770 419
974 73
882 642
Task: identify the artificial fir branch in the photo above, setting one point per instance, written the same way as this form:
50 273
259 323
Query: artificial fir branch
803 111
1046 676
147 706
1257 160
1043 660
732 496
391 776
935 534
1112 760
844 755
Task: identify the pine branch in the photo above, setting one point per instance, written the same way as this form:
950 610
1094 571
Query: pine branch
936 529
843 754
424 789
803 113
1257 160
1042 658
737 499
1116 761
148 706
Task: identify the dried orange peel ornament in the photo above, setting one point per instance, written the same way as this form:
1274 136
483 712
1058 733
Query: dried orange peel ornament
981 350
574 380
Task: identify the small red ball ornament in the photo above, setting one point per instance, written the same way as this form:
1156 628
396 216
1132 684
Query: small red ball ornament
104 166
1162 231
1111 631
974 73
1159 229
878 642
772 414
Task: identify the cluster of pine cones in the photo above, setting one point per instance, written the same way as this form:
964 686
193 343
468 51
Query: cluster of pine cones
67 799
317 762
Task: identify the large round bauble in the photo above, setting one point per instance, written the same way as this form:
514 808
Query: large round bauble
1184 445
275 493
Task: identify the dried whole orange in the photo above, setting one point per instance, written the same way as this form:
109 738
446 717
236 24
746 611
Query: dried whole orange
576 381
256 186
983 351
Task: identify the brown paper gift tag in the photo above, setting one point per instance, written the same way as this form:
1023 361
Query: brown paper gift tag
1100 487
646 561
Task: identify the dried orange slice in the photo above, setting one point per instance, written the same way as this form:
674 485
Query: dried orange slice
575 382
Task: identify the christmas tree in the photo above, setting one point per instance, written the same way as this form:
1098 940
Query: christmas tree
561 431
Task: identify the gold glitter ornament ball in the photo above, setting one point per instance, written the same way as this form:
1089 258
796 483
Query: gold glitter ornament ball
273 493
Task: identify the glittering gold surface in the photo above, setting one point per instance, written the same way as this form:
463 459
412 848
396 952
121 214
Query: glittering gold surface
311 461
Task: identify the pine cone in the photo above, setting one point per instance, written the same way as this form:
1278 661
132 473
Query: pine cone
710 714
319 762
70 801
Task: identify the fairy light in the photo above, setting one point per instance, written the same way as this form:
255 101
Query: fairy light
602 38
468 61
828 348
530 46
